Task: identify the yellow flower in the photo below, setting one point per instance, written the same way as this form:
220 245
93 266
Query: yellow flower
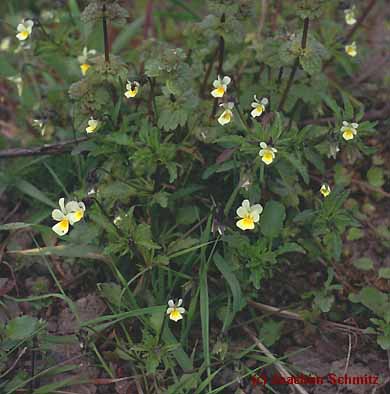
351 49
93 125
70 213
24 30
84 68
349 130
259 106
175 311
267 153
249 215
350 18
220 86
227 114
83 59
131 89
325 190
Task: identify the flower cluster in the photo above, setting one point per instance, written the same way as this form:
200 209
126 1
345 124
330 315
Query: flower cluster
350 19
68 214
220 88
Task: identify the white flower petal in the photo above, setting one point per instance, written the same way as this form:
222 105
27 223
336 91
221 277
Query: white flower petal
263 145
61 203
180 302
57 215
72 206
242 212
257 208
171 303
226 80
246 204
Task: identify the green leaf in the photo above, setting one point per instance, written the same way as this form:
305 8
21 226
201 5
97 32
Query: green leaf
311 62
354 234
32 191
66 250
299 166
290 247
124 37
364 264
375 176
384 341
231 279
270 332
271 220
384 273
187 215
21 327
373 299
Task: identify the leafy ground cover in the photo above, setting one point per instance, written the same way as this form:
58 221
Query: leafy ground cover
194 196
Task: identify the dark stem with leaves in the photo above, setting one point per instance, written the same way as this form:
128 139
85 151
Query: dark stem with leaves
221 54
47 149
105 34
296 64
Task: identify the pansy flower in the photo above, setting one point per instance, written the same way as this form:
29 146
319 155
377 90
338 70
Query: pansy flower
131 89
83 59
220 86
267 153
351 49
249 214
349 130
350 17
68 214
227 113
93 125
175 311
258 106
325 190
24 29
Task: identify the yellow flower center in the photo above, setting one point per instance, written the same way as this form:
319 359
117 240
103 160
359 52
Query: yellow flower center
64 224
175 314
79 215
248 221
259 109
84 68
268 157
226 115
133 92
348 134
220 91
24 34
